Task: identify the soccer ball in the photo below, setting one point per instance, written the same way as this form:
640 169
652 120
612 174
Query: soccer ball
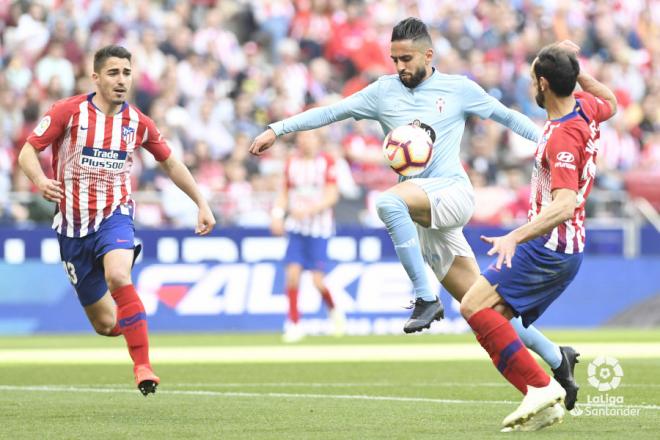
408 150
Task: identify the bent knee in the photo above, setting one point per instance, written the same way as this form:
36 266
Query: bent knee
467 308
105 326
471 304
504 310
116 279
389 203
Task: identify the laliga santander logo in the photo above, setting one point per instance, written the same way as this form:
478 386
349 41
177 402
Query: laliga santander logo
605 373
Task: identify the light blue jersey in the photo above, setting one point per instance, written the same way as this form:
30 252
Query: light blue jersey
440 105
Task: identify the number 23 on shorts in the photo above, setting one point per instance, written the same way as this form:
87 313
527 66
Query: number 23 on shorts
70 272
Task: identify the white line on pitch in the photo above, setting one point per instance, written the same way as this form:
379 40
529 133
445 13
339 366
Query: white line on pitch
58 388
347 384
364 384
343 384
302 353
315 384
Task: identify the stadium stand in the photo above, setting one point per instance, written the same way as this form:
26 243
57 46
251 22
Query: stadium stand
213 73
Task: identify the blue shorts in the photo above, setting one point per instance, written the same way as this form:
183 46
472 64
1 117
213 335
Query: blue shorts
309 252
537 277
82 257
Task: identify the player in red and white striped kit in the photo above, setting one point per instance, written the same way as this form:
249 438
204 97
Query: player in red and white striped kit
304 210
558 160
94 138
542 257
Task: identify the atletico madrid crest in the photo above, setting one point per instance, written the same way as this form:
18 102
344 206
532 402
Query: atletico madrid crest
127 134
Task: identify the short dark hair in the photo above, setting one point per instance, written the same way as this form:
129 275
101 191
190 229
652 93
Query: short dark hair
106 52
411 29
559 67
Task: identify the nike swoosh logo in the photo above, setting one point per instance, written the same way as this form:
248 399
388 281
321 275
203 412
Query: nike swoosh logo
83 128
140 316
391 155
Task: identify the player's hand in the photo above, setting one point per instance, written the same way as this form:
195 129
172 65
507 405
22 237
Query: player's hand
50 189
504 246
569 46
263 142
205 221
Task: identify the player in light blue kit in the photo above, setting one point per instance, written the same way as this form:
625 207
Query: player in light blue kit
441 199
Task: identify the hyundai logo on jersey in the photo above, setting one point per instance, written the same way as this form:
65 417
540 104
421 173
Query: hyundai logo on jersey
565 156
99 158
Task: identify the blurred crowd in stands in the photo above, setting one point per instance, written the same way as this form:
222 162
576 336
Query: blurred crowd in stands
213 73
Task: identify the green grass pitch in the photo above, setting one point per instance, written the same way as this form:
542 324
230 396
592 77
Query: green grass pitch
91 395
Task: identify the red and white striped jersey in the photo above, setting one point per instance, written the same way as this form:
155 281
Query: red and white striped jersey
566 158
92 158
306 181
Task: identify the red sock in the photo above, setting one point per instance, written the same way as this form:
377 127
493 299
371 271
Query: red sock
292 293
497 336
516 380
132 322
327 298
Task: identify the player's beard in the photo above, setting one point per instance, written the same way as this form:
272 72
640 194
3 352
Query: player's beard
540 98
415 79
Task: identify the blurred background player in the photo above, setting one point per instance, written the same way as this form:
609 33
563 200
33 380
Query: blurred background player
304 209
542 257
425 215
94 138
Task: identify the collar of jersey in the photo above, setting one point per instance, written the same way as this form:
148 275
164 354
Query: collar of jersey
577 110
91 95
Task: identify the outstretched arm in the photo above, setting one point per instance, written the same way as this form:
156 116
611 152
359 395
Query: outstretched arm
361 105
516 121
479 103
559 210
308 120
182 178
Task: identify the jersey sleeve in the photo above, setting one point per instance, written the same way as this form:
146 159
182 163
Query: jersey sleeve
363 104
360 105
563 155
599 109
51 127
476 101
517 122
154 142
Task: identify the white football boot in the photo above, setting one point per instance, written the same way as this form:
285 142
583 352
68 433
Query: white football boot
544 418
338 319
292 333
536 400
